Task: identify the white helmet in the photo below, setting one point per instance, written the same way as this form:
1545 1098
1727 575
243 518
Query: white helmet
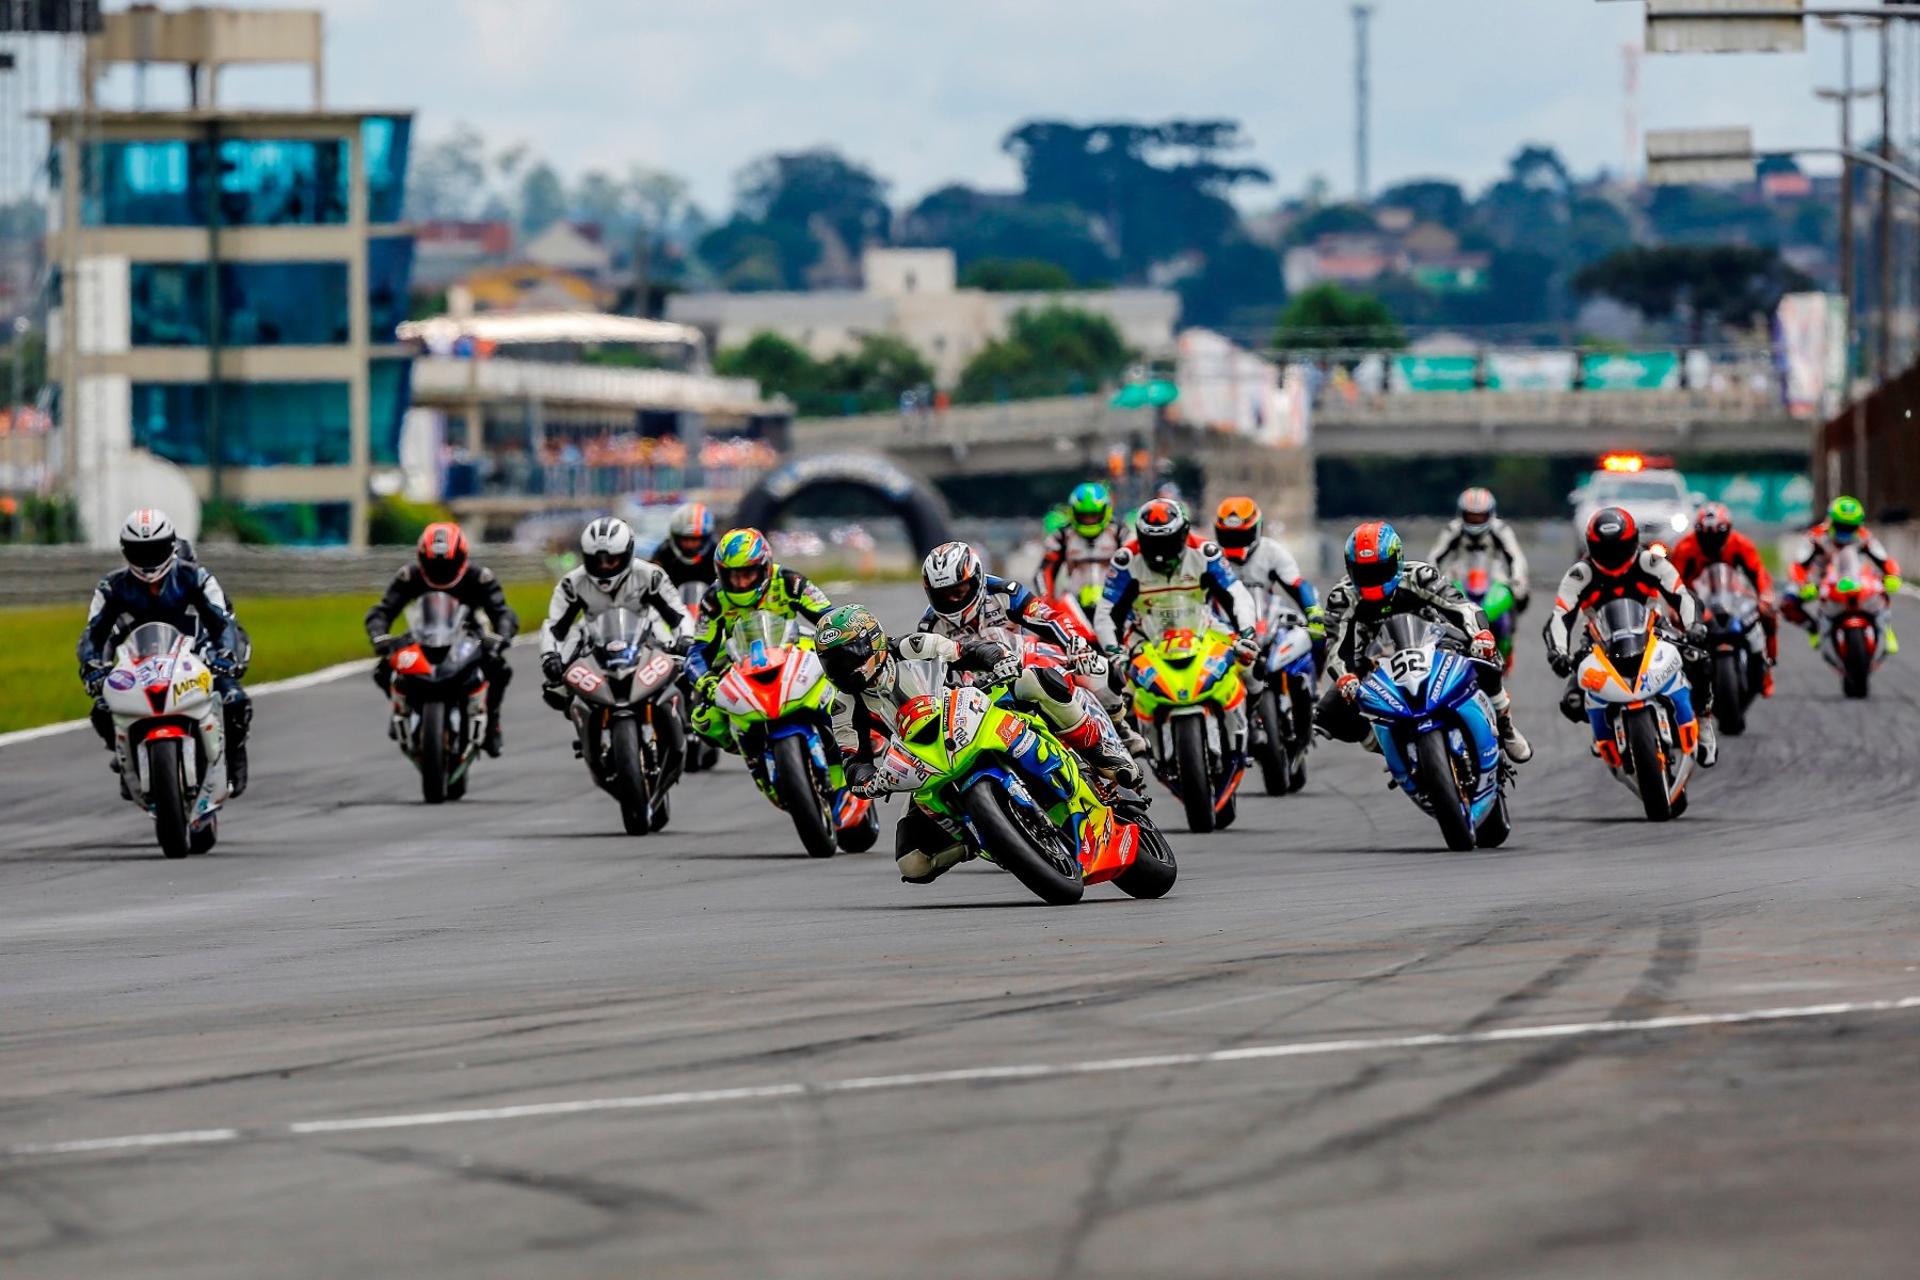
956 582
606 548
149 543
690 532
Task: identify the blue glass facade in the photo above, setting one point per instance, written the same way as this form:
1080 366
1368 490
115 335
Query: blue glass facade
262 182
389 391
385 141
262 424
262 304
306 524
389 276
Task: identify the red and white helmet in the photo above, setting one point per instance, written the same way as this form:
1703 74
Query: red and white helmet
956 582
150 544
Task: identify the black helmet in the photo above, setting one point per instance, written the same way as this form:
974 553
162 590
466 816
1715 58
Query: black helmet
1613 540
1161 529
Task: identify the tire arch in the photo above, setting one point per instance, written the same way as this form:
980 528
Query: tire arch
917 505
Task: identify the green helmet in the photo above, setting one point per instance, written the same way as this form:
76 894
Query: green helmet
852 646
1091 508
744 564
1846 512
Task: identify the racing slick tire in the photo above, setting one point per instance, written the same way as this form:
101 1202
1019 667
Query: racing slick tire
1442 789
433 752
793 781
168 788
1649 764
1050 871
1276 770
1729 693
1154 869
1190 764
628 765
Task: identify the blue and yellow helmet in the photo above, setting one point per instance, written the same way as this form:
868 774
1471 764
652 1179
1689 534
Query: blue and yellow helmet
744 563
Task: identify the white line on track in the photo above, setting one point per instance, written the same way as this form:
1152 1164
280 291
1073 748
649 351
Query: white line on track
958 1076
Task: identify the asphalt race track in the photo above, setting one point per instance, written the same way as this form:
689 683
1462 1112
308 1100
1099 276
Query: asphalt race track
1296 1064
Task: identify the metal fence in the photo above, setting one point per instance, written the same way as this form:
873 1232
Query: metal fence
1871 450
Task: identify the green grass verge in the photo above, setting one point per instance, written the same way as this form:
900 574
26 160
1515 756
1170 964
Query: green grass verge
39 683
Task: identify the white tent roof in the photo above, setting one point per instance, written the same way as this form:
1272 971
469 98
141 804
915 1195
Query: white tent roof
506 328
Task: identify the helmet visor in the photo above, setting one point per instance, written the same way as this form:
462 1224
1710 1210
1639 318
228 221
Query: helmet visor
1373 575
605 566
743 578
688 544
1236 538
1475 519
152 554
952 599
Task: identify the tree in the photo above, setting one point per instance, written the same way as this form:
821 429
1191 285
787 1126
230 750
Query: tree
1160 190
977 225
1327 317
749 256
600 198
1331 219
1052 351
874 376
1731 284
448 178
1429 199
802 188
779 366
543 200
1238 276
1016 275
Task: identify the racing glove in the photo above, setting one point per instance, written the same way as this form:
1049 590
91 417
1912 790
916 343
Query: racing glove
703 687
1348 686
1562 663
384 645
496 647
222 663
1697 634
553 667
1317 623
1246 647
1892 584
862 777
1484 647
94 676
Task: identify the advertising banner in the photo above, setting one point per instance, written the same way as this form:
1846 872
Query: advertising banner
1530 370
1633 371
1434 373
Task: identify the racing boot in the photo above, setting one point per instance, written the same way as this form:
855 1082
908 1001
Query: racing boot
236 769
1512 741
1103 753
1708 752
918 867
493 743
1766 682
238 713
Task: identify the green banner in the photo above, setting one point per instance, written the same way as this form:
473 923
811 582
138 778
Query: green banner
1634 371
1759 497
1435 373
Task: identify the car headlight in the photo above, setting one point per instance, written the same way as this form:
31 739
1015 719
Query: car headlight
1678 522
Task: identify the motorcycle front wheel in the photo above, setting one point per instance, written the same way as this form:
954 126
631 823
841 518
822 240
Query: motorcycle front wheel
432 752
1729 693
1276 770
628 766
1649 764
1856 668
793 781
1013 847
168 787
1190 761
1439 785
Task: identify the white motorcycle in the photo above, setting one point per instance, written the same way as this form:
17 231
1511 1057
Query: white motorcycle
169 732
1635 680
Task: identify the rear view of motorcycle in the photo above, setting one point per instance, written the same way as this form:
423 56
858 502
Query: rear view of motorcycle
1736 641
1281 689
1852 617
170 736
1640 708
626 709
439 692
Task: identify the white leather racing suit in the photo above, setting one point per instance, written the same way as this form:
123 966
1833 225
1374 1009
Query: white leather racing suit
1459 542
578 598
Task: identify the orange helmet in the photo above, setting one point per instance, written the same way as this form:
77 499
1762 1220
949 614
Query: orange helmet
443 555
1236 526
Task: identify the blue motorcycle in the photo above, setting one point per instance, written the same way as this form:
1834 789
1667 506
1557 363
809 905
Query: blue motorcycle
1436 730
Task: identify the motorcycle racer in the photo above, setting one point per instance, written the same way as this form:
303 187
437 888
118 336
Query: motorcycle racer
442 563
157 585
1476 528
1616 566
608 577
966 603
1845 526
1380 582
1075 559
1264 562
858 657
1164 561
748 582
1714 540
686 553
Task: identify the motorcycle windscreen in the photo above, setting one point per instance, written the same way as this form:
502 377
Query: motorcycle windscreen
149 639
920 687
1621 629
617 637
1404 631
756 640
438 620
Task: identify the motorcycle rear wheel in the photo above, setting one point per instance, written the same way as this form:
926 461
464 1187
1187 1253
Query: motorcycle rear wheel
433 752
1190 762
1438 784
1649 771
1012 848
1856 669
1493 832
862 835
1154 869
794 783
202 838
1729 693
1276 770
168 787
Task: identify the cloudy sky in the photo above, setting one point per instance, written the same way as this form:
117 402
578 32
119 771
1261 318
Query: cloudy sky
923 91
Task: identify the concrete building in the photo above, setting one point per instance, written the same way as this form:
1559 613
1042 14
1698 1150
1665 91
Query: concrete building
913 294
231 283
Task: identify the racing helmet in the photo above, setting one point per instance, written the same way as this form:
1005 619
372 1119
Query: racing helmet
149 543
1161 529
956 582
852 647
689 531
1613 540
1844 517
1090 507
1712 525
1236 527
1375 559
606 550
1476 510
745 564
442 555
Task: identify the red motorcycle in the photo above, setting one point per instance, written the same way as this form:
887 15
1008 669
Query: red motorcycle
1852 619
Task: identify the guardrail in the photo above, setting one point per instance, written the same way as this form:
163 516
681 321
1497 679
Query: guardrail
66 575
1567 408
1060 417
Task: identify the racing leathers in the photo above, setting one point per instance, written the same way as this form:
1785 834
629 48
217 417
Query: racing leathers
1075 714
1074 566
645 588
924 847
1816 551
679 569
1651 576
1352 624
1459 542
188 598
788 594
1690 560
477 589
